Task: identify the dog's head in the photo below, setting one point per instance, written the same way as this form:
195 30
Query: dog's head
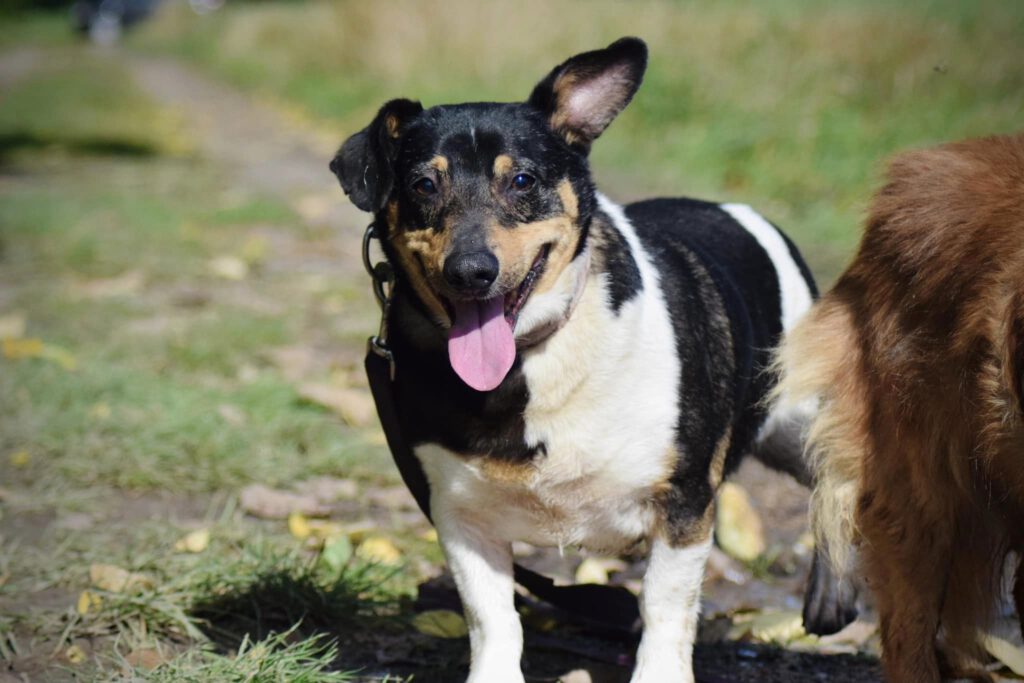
486 206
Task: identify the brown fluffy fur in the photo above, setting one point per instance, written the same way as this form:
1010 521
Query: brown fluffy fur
915 360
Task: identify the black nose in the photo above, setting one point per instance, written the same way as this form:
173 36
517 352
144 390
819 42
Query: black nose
471 272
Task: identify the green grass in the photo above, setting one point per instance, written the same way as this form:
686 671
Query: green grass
156 399
108 115
788 105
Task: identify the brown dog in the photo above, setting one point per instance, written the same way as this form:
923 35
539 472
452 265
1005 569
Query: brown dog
913 367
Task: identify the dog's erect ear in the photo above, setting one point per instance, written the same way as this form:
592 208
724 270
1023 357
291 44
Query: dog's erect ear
582 95
364 164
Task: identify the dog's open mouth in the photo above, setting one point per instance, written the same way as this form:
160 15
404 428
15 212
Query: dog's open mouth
481 342
516 299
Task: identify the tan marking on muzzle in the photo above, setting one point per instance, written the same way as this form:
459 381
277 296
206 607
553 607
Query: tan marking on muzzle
420 255
517 247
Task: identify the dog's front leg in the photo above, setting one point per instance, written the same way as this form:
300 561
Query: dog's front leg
670 605
482 568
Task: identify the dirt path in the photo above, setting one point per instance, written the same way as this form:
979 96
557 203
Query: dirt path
265 151
261 149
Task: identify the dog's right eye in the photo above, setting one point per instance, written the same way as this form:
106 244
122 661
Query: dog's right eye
425 187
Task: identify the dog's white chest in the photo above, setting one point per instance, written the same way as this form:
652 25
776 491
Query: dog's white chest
604 406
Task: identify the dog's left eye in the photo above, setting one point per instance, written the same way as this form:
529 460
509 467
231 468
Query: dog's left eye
523 182
425 187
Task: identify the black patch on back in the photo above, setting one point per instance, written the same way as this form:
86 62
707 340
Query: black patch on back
717 280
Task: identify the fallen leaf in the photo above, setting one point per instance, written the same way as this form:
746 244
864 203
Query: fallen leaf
88 601
121 285
294 362
314 207
254 251
267 503
1006 652
12 325
110 577
298 525
354 406
100 411
232 414
378 549
597 569
430 535
193 542
337 552
857 633
738 528
441 623
330 489
20 459
229 267
20 349
770 627
75 654
146 658
392 498
360 530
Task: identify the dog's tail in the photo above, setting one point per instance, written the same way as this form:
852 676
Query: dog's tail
818 366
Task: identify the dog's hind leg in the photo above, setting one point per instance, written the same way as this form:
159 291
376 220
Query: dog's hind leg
830 599
906 559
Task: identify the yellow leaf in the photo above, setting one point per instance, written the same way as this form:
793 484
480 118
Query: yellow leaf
324 531
596 569
194 542
229 267
1006 652
75 654
378 549
16 349
298 525
770 627
19 349
738 528
430 535
110 577
100 411
440 623
20 459
254 251
88 602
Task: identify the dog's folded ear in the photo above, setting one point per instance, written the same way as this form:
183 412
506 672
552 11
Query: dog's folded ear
364 164
585 93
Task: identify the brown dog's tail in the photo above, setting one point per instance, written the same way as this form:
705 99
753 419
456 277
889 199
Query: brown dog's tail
818 367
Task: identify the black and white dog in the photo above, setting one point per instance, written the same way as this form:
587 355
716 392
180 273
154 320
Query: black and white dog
571 372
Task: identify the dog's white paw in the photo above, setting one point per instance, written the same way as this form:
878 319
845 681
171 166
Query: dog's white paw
668 670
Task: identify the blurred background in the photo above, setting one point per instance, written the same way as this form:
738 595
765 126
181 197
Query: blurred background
193 484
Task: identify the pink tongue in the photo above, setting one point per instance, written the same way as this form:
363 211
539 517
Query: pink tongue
480 345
